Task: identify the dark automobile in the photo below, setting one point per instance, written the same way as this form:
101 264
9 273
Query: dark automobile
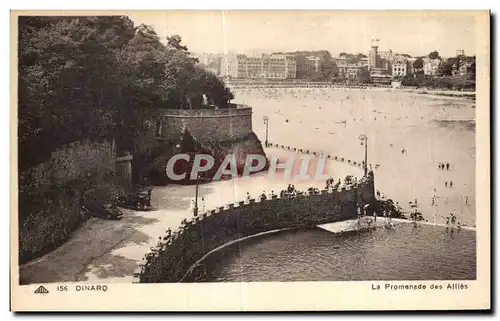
106 211
138 201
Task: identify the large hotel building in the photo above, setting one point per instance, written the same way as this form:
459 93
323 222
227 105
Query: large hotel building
274 66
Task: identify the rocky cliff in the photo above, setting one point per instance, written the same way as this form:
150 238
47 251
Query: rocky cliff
187 144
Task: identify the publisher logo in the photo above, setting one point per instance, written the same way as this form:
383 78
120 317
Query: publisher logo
41 290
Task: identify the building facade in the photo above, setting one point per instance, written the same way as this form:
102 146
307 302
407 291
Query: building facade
350 71
380 76
373 57
273 66
387 55
399 66
254 68
232 66
379 65
312 64
385 59
464 68
291 67
431 66
411 61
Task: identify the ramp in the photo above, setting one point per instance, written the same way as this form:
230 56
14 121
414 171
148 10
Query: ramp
368 222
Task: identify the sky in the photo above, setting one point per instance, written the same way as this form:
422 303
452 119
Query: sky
414 33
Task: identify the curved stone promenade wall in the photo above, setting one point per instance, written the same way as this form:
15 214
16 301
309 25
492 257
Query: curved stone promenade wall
206 124
177 252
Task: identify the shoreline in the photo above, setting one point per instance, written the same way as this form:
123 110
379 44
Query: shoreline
389 88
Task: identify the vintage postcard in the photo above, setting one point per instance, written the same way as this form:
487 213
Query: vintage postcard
250 160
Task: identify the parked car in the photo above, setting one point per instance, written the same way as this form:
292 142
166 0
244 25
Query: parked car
138 201
106 211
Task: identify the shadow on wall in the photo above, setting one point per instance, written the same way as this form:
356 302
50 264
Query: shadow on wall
47 217
95 238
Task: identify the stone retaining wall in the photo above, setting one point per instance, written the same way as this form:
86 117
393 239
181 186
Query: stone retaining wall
205 124
176 253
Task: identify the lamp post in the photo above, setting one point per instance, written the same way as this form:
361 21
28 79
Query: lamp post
364 141
266 122
195 210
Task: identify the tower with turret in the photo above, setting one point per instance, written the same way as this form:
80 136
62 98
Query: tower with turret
373 54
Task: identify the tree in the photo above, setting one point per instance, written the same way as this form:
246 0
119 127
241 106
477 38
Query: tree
445 68
418 63
472 70
68 85
95 76
364 75
174 42
434 55
327 70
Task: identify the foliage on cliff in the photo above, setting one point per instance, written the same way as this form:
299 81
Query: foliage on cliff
448 82
90 76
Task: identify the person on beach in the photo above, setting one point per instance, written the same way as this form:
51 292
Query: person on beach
447 166
415 227
148 200
451 184
466 200
445 184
